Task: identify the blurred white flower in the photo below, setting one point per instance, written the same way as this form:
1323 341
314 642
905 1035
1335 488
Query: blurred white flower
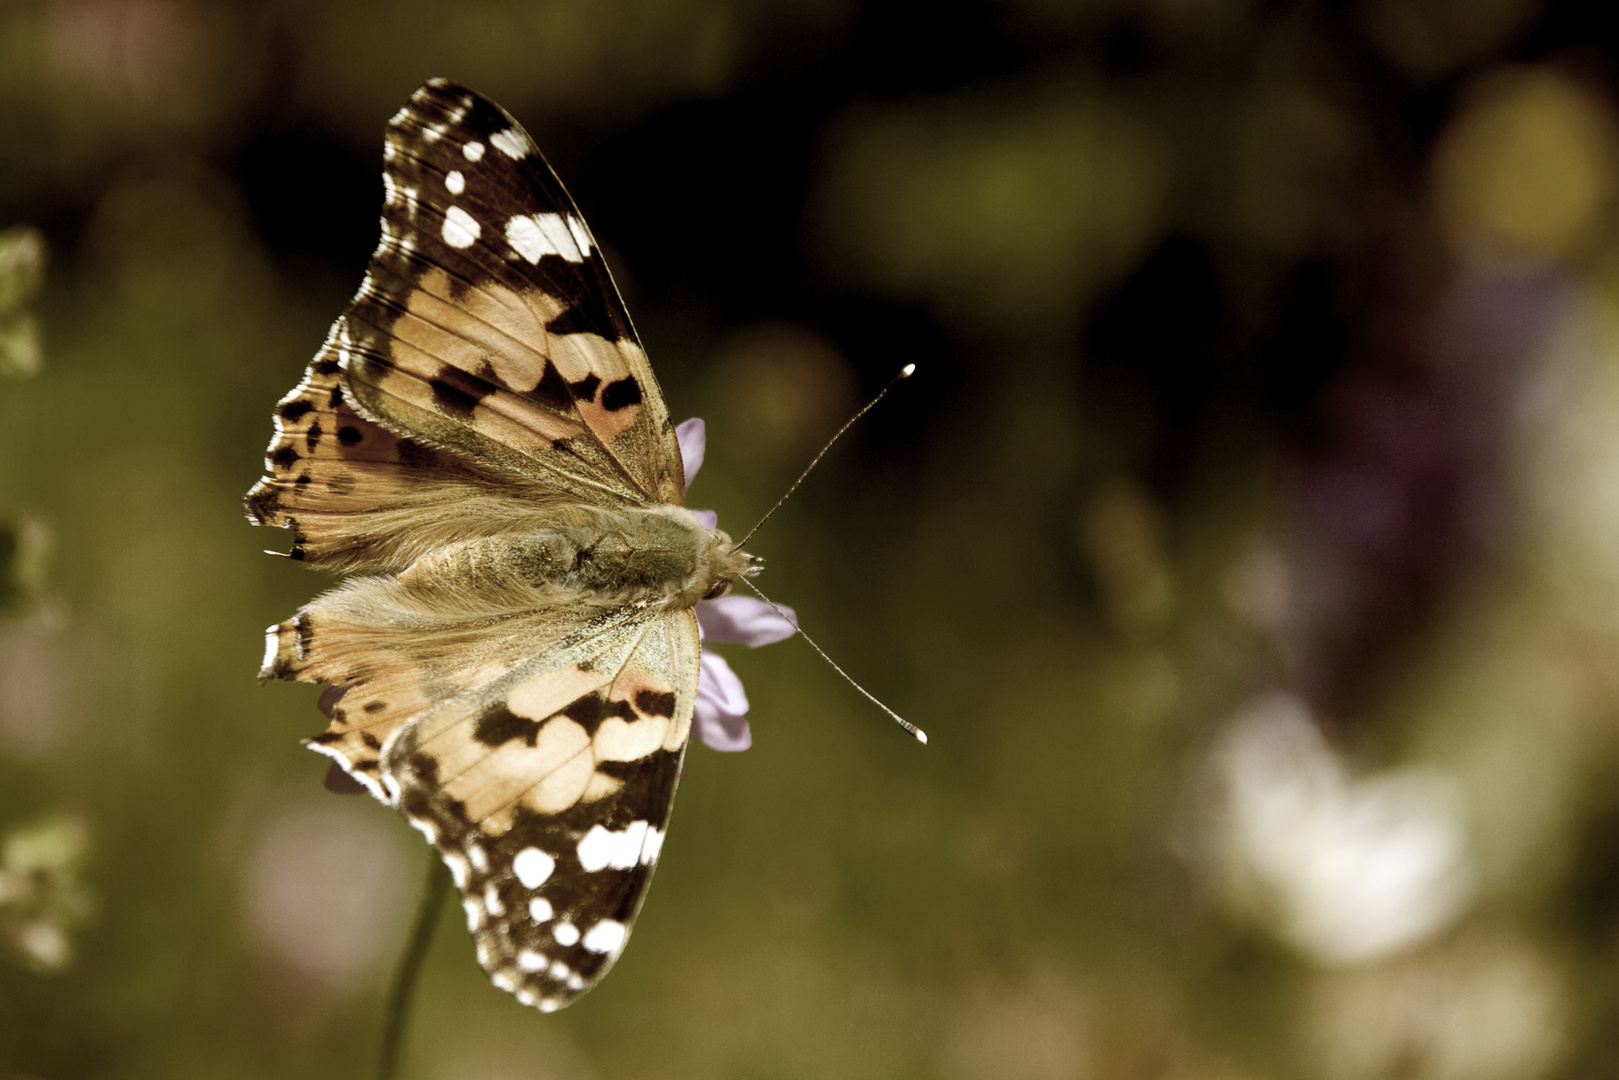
325 892
1346 870
42 896
1490 1005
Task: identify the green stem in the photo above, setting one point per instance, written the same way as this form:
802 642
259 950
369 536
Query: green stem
410 967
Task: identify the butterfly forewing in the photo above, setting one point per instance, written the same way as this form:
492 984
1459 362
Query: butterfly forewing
482 396
488 323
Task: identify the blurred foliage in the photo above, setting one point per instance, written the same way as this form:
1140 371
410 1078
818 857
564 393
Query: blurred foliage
22 261
24 544
1248 543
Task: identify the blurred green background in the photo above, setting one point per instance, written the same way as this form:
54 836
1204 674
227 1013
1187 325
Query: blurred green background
1248 543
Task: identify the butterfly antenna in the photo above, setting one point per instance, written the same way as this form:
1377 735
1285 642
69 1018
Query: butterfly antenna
904 373
917 733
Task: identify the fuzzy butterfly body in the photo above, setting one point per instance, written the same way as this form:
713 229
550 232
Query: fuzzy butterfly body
482 436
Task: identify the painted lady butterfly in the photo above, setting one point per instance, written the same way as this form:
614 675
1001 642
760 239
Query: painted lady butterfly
482 436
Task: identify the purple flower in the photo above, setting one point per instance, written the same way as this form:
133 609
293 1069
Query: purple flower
722 704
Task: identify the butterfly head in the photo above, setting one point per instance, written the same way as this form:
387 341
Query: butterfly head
709 562
724 565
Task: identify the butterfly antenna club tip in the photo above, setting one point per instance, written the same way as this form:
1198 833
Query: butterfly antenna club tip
904 373
916 733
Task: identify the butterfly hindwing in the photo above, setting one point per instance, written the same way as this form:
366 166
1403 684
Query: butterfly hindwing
548 794
399 645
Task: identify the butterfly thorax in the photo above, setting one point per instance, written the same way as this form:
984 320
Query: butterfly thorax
658 555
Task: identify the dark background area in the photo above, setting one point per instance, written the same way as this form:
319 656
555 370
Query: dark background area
1247 543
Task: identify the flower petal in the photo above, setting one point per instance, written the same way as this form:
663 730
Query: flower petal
722 706
339 782
742 620
708 518
693 438
329 698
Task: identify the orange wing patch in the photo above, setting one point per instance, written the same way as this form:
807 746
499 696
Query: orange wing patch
463 384
543 746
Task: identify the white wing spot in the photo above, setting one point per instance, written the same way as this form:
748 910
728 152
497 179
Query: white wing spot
540 910
473 151
566 933
531 961
628 850
460 231
513 143
458 867
271 639
474 913
558 970
548 1005
455 182
533 236
478 858
581 235
492 900
575 982
533 866
504 980
601 847
653 845
596 848
606 936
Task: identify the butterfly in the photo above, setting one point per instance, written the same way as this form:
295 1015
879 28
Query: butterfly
482 440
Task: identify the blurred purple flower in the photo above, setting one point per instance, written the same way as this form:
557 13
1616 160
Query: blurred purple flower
722 704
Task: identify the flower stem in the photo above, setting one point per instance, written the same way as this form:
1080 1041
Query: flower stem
410 967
